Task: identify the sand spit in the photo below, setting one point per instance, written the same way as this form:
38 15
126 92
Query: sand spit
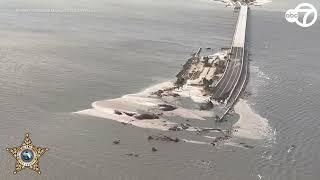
128 108
250 125
167 106
186 98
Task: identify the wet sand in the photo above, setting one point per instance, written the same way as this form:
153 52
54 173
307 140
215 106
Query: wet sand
250 125
145 102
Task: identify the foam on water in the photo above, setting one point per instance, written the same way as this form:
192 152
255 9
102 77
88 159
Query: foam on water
260 74
262 79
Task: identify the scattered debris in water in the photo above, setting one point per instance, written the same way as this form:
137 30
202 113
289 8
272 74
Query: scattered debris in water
291 148
132 154
246 145
204 164
163 138
117 141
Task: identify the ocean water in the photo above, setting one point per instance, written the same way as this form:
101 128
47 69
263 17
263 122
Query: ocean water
52 64
285 84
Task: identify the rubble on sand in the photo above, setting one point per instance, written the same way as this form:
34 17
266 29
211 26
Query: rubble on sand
166 92
166 107
181 127
121 113
117 112
146 116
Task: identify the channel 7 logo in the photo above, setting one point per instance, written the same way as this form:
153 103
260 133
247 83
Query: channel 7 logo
304 10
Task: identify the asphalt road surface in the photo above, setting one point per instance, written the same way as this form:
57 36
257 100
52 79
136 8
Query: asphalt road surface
232 73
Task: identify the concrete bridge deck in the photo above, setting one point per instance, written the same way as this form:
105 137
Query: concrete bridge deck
231 84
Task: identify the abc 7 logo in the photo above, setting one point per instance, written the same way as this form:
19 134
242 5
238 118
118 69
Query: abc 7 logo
292 15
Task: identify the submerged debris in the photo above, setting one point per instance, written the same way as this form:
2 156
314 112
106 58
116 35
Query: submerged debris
154 149
291 148
204 130
248 146
180 127
132 154
163 138
204 164
220 139
117 141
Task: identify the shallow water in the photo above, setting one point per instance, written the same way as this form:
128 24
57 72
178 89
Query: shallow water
54 64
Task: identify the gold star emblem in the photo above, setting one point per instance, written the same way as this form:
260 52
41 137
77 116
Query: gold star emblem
27 155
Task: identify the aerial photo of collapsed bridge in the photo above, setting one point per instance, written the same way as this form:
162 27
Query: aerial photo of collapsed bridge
206 88
205 71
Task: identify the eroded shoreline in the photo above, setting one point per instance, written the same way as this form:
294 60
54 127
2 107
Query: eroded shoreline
195 95
166 106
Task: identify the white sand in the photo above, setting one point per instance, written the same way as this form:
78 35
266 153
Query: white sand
250 125
145 102
194 92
